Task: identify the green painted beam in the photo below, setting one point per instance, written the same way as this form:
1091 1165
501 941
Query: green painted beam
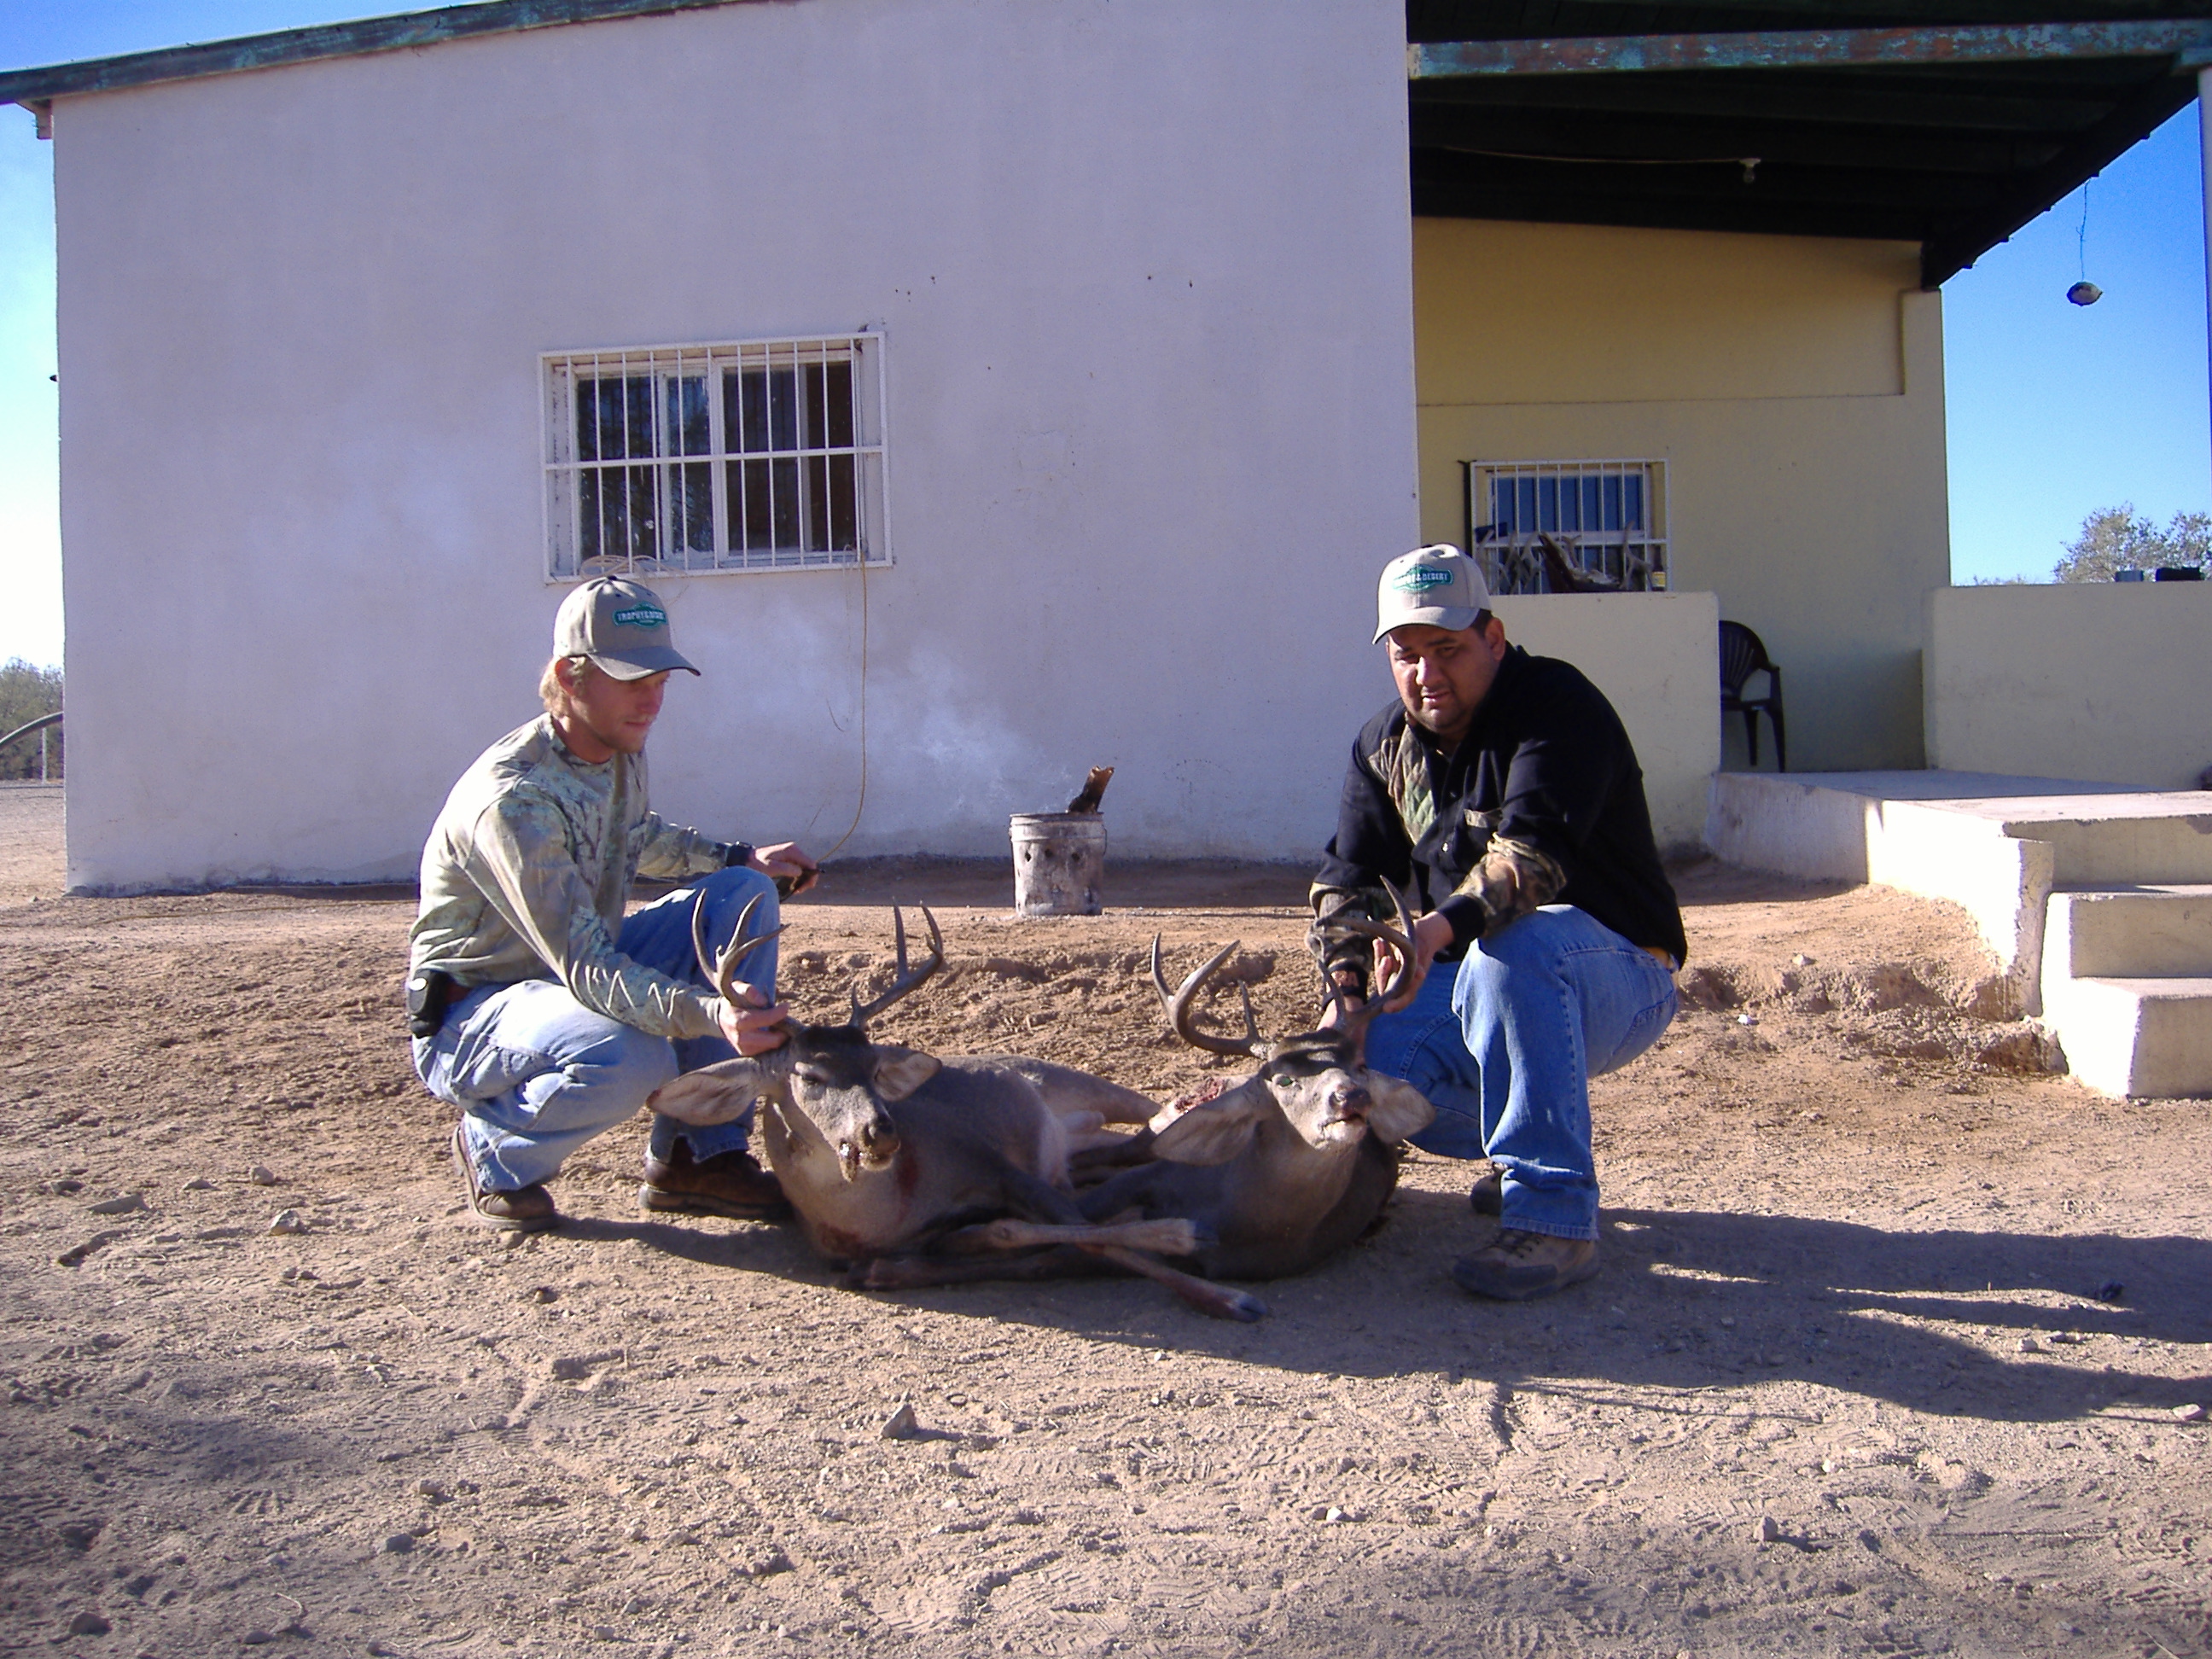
368 35
1885 48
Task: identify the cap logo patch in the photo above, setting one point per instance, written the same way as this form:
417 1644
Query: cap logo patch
1421 578
642 616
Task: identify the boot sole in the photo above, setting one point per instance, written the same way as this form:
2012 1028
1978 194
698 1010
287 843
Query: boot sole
662 1201
500 1223
1475 1284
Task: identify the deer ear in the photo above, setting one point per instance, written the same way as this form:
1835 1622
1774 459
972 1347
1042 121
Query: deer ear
1398 1109
900 1072
1213 1132
714 1094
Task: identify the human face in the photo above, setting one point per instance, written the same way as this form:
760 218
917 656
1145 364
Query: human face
1443 673
605 716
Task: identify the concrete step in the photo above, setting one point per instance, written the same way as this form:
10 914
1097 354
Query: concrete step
2135 1036
2138 929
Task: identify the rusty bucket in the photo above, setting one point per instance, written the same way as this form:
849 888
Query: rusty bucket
1060 863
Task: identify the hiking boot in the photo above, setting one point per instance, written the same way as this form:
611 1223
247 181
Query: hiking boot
1518 1266
1488 1194
728 1184
525 1210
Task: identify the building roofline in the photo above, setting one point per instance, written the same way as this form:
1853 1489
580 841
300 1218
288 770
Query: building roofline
397 33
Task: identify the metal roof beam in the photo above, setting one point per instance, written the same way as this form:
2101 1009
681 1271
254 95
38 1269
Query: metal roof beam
1885 48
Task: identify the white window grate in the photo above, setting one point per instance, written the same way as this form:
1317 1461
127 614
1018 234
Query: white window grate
748 455
1610 517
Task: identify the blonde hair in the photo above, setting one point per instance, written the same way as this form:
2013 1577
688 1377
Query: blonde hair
552 692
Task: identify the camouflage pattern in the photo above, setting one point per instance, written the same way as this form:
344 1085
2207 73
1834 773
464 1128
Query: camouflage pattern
526 872
1510 879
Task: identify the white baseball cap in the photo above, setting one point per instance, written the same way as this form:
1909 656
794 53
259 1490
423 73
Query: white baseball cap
1437 586
619 625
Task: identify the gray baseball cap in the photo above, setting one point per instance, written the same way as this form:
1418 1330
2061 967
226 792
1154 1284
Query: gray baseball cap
619 625
1437 586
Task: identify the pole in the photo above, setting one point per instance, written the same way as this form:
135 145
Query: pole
2204 134
42 753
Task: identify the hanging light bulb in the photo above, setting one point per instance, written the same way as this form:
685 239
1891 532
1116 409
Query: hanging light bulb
2085 292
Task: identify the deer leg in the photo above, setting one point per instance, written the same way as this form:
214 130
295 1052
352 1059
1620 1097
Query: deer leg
1097 1156
1215 1301
1166 1235
914 1273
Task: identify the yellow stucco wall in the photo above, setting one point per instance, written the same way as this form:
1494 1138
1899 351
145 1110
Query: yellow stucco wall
1793 386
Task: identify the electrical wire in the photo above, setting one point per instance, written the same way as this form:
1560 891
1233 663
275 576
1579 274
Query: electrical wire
860 805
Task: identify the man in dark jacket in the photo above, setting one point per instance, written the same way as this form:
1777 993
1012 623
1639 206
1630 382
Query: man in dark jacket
1501 792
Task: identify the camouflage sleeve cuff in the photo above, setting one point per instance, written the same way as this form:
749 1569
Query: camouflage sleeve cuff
1512 879
1338 950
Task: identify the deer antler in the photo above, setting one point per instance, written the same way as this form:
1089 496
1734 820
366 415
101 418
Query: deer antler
723 971
907 981
1400 939
1181 1013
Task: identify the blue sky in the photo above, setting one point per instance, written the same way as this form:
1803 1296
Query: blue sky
2054 410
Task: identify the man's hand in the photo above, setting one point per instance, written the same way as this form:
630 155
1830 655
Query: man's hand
1431 933
786 862
753 1024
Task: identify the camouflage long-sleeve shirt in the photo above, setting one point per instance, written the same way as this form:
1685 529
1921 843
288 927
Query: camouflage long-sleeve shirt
526 870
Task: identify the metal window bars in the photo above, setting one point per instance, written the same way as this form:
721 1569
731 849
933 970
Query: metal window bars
746 455
1608 516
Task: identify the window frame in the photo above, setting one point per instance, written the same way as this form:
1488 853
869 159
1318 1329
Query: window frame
1510 563
815 491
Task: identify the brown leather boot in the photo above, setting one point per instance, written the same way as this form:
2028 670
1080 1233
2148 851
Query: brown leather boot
1518 1266
1488 1194
728 1184
525 1210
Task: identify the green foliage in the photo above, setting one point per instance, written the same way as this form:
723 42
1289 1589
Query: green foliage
2120 538
26 693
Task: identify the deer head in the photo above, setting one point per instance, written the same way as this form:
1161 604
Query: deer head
1317 1080
827 1083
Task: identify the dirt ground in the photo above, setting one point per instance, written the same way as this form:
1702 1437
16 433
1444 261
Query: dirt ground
1893 1352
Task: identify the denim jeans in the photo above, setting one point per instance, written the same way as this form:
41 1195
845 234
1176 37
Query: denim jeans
1506 1047
537 1074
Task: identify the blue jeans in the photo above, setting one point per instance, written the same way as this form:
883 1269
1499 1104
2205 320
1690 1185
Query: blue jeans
537 1074
1504 1050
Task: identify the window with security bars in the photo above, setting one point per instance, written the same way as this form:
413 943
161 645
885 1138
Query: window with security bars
749 455
1606 521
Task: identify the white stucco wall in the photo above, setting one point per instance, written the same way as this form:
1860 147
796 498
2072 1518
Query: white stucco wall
1657 657
1143 269
2108 682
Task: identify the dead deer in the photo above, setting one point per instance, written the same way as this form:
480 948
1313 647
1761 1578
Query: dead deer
886 1151
1279 1172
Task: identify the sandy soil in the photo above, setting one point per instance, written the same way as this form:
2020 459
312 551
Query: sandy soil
1886 1358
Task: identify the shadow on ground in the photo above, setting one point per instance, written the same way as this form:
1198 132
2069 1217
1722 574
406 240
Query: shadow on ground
1687 1300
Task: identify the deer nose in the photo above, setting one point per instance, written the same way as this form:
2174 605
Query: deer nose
1350 1099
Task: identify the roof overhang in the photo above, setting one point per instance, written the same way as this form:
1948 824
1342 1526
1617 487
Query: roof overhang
1947 126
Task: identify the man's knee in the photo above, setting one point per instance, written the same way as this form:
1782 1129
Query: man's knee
623 1058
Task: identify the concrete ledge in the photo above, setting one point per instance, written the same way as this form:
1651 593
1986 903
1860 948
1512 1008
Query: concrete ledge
1996 844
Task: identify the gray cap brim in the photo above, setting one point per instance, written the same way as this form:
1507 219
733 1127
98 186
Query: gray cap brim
638 664
1453 616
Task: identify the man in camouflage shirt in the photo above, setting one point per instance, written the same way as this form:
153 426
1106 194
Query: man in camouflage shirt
537 1008
1501 791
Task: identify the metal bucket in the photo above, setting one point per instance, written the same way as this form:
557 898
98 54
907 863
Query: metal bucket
1060 863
